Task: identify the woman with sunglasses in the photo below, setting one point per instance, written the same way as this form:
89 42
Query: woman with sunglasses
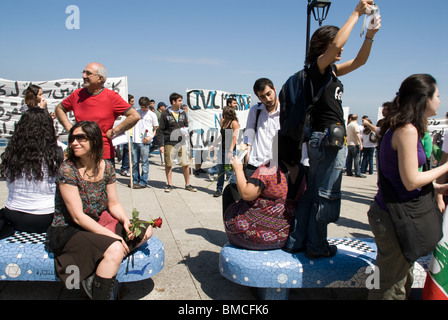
30 164
86 192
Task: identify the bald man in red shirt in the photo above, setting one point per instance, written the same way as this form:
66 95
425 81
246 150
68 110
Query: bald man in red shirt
96 103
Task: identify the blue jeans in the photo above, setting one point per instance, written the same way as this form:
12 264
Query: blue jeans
353 157
221 163
321 203
125 157
140 155
367 159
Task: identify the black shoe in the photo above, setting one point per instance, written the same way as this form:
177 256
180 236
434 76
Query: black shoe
332 250
136 186
360 176
87 285
104 289
217 194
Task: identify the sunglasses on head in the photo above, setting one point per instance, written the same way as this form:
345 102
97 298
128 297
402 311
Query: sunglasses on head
78 137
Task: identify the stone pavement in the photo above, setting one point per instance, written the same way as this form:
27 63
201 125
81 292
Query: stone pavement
193 235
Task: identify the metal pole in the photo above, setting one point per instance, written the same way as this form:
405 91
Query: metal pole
308 26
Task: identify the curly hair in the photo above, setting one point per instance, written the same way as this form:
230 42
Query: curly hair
32 146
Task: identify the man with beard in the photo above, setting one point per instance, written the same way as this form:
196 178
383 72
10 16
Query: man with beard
263 123
96 103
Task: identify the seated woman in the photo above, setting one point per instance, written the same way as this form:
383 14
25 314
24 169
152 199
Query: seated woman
261 220
86 193
30 164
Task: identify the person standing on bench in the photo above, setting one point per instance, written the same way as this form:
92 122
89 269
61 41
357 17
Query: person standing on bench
30 164
321 203
86 196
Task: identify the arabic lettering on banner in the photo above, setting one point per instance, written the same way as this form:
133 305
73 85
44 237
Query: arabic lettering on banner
205 113
55 91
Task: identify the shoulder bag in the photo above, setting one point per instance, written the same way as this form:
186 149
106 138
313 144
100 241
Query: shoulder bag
418 222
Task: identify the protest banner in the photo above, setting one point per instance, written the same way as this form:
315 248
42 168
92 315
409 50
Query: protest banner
205 113
54 91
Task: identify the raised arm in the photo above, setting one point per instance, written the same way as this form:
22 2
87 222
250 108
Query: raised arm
342 36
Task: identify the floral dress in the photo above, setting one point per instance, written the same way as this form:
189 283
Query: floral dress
93 196
264 224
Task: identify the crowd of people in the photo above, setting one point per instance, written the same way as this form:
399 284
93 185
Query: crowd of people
272 201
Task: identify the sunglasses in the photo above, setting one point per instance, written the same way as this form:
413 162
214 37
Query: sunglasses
78 137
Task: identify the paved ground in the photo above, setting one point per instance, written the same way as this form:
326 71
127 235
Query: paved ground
193 235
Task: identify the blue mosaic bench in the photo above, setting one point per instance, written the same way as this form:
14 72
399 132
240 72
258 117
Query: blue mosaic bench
24 257
275 272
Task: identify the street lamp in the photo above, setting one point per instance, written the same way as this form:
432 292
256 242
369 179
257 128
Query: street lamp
320 10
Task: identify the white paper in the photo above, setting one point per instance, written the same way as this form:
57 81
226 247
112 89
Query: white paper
120 139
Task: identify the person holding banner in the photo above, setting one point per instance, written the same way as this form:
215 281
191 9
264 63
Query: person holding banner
96 103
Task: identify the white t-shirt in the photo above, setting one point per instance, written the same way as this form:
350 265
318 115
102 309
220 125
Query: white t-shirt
352 132
148 122
366 140
33 197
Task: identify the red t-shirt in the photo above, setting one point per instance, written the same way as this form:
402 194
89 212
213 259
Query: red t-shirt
103 108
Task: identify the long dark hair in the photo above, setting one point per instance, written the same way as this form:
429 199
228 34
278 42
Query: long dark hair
229 114
410 104
319 42
95 137
32 146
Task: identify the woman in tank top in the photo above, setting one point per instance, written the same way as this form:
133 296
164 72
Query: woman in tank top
401 154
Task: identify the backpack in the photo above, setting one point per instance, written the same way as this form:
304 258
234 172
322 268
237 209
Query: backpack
297 100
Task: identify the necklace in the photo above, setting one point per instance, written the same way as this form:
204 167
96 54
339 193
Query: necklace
88 175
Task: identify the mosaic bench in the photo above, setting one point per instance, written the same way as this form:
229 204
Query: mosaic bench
25 257
275 272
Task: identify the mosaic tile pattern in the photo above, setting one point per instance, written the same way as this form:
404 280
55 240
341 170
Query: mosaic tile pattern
277 269
24 257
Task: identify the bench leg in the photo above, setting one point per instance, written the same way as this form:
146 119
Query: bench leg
273 294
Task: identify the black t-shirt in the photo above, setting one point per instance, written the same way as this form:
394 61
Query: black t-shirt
328 110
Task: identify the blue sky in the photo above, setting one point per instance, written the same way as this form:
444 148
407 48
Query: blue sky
171 46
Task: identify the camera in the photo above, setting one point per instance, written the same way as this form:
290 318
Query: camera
371 18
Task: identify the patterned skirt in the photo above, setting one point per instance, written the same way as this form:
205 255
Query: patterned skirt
262 224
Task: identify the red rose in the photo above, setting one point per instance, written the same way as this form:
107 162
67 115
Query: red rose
157 223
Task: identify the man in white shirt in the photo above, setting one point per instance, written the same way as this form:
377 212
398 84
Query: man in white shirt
263 123
144 131
354 145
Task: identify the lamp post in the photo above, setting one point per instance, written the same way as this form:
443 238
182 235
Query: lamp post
320 9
